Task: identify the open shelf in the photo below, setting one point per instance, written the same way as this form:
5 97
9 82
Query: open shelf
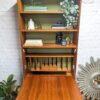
49 55
41 12
50 30
51 45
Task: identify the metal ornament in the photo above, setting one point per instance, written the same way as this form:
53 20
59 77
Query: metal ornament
89 79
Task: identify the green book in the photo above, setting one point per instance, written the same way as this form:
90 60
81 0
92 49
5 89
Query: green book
35 8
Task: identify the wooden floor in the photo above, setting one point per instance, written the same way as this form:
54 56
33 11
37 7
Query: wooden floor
49 88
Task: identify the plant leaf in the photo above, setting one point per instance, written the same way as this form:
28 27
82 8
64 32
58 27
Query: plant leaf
12 82
10 78
2 83
1 98
18 88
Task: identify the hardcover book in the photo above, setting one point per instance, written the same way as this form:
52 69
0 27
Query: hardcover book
33 42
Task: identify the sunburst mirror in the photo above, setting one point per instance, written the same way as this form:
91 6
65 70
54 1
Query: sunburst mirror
88 79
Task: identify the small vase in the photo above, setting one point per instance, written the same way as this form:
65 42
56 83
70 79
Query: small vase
31 25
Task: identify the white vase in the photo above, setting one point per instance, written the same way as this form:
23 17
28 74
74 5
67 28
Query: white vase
31 25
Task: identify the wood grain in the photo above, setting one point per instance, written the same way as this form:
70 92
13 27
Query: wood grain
51 45
49 87
41 12
50 30
50 55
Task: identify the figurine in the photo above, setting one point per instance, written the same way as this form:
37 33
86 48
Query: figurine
31 25
59 38
68 40
63 42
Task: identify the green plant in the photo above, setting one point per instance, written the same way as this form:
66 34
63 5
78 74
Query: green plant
8 89
71 12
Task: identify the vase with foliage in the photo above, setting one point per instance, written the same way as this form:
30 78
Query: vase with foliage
8 89
71 12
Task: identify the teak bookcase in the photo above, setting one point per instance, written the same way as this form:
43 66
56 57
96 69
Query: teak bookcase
49 57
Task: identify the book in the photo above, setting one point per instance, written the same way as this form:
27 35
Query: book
35 8
59 27
33 42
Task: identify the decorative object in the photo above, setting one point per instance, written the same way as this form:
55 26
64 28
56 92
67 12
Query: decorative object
8 89
59 38
89 79
31 25
63 42
71 13
68 40
58 25
38 25
33 42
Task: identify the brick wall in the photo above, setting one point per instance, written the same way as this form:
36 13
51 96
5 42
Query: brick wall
89 37
10 53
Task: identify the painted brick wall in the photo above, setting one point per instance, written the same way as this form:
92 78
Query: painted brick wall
89 37
10 53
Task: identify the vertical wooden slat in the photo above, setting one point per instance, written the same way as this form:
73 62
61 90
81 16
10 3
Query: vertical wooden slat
22 39
76 37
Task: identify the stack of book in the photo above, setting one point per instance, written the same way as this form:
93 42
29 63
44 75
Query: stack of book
58 26
35 8
33 42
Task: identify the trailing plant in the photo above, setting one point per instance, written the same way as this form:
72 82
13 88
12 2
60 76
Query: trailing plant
8 89
71 12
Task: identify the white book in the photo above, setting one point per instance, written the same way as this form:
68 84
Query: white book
58 27
33 42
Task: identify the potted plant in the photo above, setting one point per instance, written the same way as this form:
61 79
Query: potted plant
8 89
71 12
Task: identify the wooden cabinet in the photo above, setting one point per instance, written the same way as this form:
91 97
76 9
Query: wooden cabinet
51 56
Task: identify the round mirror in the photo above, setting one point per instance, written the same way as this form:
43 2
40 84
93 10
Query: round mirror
95 81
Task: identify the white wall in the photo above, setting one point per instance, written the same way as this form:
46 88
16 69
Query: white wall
10 53
89 37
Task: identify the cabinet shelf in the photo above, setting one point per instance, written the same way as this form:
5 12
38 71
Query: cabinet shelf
49 70
41 12
50 30
51 45
49 55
